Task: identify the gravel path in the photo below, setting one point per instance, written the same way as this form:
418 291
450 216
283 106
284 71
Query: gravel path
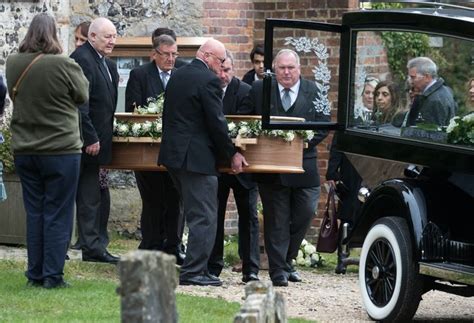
320 297
336 298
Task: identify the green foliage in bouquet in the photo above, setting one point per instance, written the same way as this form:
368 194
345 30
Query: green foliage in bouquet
253 128
461 130
308 256
153 106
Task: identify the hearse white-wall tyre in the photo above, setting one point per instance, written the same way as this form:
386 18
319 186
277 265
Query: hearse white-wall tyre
388 277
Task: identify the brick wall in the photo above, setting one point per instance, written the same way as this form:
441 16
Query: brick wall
239 24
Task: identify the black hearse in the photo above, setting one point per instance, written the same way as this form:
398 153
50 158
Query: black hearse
415 221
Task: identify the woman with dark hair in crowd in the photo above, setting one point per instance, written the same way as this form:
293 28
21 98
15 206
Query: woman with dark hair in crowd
81 32
386 102
46 89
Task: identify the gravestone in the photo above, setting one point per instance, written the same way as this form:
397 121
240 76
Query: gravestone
262 305
148 281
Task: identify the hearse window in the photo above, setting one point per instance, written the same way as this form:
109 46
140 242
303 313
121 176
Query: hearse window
412 85
305 75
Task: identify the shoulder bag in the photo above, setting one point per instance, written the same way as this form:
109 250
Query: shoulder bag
328 233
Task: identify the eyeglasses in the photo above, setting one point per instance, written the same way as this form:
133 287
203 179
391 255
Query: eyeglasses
174 55
416 76
222 60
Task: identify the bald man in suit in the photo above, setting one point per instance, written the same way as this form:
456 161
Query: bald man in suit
97 129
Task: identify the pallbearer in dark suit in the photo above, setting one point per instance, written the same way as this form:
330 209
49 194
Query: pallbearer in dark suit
97 128
160 201
289 200
194 133
244 189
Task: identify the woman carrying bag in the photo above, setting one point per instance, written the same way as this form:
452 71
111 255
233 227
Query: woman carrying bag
46 89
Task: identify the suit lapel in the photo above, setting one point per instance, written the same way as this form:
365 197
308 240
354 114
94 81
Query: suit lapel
230 97
154 79
302 99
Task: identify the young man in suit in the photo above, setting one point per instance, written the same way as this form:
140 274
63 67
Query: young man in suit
194 133
289 200
160 200
257 59
97 128
244 189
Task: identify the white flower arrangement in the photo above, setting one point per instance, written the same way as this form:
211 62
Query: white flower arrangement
461 130
253 129
308 256
136 129
242 129
153 106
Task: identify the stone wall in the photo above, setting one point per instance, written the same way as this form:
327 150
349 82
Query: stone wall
239 24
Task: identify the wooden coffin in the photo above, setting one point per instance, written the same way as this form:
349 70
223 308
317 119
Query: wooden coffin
135 154
264 154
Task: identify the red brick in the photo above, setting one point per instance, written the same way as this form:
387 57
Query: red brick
264 6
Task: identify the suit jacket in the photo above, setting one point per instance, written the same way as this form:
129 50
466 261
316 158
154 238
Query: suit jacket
97 115
436 105
194 127
234 98
144 83
249 77
303 107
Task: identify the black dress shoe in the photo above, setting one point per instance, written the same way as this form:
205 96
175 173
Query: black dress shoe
200 280
212 275
340 268
249 277
50 283
294 277
76 246
280 281
106 257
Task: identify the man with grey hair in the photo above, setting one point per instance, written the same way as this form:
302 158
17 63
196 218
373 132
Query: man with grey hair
97 117
289 200
435 103
160 202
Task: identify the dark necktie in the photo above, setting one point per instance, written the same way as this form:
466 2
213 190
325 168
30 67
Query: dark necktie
286 100
106 67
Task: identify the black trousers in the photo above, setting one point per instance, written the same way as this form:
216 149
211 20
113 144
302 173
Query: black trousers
88 202
246 201
160 218
287 215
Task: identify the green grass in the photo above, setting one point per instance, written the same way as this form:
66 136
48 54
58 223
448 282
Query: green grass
93 297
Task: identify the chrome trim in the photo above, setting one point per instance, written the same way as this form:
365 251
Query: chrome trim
363 194
447 274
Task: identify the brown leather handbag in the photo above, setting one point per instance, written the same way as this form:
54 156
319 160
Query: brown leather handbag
328 233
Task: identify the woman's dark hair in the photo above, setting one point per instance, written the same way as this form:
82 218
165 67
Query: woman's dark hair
41 36
394 100
84 28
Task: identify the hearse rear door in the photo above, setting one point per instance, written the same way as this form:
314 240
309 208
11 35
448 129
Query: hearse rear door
341 59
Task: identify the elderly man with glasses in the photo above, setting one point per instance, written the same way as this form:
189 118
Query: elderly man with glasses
160 218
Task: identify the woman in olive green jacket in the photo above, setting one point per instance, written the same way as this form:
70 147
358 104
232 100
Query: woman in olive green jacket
46 144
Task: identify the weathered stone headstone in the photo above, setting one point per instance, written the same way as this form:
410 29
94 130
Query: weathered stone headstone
148 282
262 305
